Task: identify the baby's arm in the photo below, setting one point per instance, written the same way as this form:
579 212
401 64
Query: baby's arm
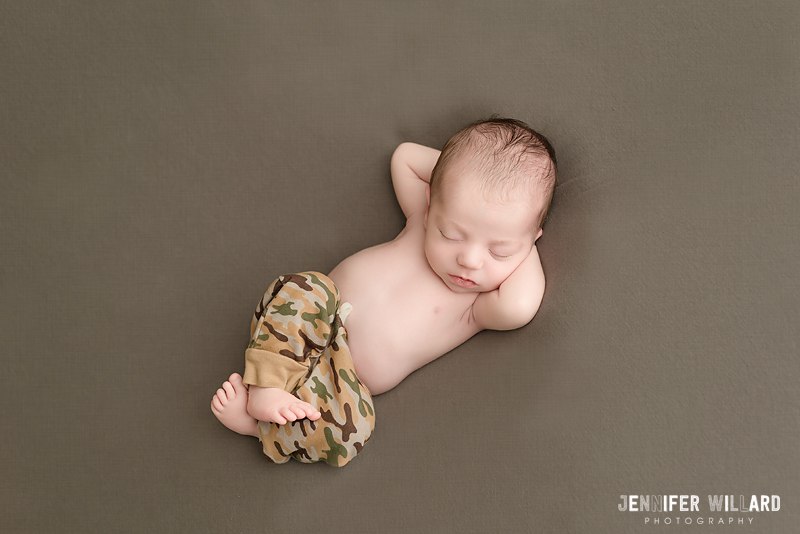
516 301
411 173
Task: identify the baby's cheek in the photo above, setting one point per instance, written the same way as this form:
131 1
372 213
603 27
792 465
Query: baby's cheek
496 277
508 268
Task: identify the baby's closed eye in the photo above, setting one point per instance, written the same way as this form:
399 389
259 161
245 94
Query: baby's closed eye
452 237
500 256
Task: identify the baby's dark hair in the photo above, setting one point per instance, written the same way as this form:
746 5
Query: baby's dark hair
511 157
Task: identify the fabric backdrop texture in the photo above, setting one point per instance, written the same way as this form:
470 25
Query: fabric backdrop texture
162 162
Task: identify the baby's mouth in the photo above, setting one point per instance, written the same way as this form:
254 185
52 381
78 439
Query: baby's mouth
462 282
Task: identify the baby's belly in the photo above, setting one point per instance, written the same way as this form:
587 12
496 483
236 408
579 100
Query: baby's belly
390 344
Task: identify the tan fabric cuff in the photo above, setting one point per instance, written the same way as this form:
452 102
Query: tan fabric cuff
269 370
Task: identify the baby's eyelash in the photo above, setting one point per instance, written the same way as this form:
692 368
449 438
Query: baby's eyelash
448 238
499 256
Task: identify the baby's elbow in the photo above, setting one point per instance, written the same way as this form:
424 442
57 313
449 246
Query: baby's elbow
401 153
524 316
524 311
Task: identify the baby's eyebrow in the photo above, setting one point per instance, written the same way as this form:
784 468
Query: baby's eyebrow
455 226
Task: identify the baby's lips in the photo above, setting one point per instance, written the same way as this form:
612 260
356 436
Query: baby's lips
462 282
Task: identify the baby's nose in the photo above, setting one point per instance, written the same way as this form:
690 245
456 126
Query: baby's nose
469 260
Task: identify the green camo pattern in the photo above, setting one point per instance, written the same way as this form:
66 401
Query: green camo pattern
298 319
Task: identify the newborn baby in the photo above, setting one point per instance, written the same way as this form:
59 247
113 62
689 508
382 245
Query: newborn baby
466 261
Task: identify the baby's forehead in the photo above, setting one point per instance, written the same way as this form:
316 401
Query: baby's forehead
477 183
487 209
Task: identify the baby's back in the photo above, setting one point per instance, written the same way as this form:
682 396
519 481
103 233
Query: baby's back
403 315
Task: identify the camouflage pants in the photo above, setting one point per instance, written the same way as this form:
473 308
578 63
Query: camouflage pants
299 344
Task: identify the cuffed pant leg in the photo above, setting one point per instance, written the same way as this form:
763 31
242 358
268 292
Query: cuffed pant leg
291 327
348 416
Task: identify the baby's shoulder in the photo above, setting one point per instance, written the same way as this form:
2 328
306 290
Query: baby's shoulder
410 238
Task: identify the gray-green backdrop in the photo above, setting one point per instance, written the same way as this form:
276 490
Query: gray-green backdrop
158 163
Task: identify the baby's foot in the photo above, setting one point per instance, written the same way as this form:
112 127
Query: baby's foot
278 406
230 407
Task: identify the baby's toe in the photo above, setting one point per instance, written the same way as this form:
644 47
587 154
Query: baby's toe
298 411
236 380
276 417
280 420
309 411
228 387
287 413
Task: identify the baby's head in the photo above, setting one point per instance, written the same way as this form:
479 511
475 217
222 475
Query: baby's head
488 198
504 160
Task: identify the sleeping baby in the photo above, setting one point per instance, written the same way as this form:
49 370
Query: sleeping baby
466 261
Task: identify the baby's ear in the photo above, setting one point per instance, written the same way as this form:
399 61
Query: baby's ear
538 235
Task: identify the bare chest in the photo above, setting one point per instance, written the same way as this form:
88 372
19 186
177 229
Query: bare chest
403 315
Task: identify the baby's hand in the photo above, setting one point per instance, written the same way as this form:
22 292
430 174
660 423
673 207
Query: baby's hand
516 301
